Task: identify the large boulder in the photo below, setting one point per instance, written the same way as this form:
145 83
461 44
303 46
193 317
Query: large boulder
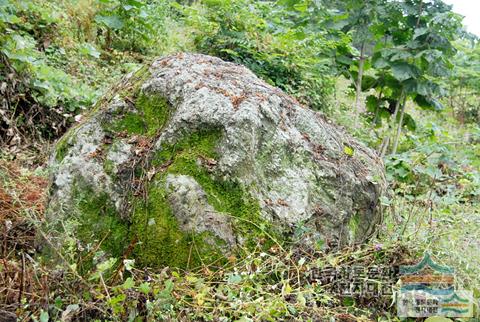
193 157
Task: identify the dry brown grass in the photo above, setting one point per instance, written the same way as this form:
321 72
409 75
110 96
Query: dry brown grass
22 202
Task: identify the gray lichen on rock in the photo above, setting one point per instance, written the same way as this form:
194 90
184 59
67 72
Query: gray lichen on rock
224 149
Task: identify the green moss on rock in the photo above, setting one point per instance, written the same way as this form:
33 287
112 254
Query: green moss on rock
152 226
155 110
63 145
353 225
131 122
99 222
160 241
152 112
229 197
109 167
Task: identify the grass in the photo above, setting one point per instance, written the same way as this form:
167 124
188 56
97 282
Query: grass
262 286
22 200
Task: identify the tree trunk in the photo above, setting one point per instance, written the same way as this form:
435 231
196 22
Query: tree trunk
386 140
377 108
399 128
361 64
384 146
397 106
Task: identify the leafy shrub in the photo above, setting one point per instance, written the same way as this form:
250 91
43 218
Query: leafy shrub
134 25
464 83
434 163
37 98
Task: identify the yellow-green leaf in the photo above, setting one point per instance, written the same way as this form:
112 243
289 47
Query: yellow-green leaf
348 150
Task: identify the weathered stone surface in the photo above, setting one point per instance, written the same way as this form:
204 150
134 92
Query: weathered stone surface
193 212
195 150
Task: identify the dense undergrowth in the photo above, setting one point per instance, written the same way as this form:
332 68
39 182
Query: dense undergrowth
57 58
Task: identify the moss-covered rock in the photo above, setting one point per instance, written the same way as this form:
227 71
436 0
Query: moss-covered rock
194 158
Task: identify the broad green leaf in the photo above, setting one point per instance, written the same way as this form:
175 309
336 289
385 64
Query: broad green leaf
89 50
128 284
424 88
371 103
428 103
439 69
176 5
112 22
402 172
348 150
348 301
410 86
44 317
401 55
144 287
117 299
7 18
136 3
301 7
42 85
128 7
301 300
420 32
380 62
69 311
169 285
403 71
368 82
106 265
300 35
286 289
301 261
409 122
288 3
344 60
234 279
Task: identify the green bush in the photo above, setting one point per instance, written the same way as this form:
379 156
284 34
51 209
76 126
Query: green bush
434 163
37 98
133 25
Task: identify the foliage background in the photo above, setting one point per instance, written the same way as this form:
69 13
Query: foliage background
402 76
